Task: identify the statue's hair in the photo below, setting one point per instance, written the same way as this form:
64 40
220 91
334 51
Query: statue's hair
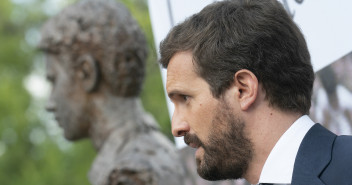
106 31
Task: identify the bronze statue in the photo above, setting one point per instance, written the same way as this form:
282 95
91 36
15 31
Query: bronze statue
96 56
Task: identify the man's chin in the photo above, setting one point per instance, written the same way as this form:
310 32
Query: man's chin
205 170
210 168
212 174
207 173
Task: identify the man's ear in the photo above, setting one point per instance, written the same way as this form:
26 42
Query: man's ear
88 72
247 88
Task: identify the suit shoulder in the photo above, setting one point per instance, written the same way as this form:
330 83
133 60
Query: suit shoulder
343 146
339 169
342 152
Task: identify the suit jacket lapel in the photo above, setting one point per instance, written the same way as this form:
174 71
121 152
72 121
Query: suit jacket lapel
313 156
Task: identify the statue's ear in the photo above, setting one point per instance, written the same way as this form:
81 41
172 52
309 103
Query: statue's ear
88 72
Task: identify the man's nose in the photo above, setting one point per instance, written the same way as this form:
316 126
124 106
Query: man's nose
179 126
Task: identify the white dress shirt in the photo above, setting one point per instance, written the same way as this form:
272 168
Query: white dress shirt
278 167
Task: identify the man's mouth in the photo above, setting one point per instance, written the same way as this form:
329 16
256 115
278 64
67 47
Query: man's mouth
192 141
193 145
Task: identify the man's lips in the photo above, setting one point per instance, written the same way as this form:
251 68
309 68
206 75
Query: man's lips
193 145
192 141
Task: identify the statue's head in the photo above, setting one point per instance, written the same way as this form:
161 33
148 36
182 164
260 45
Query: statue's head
92 48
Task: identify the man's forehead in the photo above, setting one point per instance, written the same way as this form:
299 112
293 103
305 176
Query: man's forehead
180 65
181 62
181 72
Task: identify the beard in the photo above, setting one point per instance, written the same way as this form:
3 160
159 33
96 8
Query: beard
228 151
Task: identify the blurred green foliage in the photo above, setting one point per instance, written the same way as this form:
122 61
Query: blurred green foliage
32 149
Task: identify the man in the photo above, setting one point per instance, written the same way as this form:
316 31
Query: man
96 61
240 77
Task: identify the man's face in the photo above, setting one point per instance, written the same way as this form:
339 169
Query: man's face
208 124
67 100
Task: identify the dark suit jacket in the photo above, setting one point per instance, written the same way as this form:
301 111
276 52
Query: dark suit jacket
323 159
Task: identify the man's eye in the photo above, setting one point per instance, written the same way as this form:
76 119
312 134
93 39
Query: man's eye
185 97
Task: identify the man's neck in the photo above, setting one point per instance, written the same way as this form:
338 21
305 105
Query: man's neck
266 128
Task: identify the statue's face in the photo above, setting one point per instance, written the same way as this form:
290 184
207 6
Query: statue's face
68 98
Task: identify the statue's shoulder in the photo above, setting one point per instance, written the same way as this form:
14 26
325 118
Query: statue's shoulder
151 151
131 177
143 158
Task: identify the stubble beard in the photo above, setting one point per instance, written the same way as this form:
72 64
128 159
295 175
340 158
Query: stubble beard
228 152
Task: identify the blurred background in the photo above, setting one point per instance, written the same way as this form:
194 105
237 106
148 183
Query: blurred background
33 150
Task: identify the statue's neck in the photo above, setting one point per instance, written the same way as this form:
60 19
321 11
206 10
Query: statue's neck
112 114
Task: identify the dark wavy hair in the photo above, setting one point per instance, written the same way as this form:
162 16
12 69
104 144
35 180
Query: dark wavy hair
257 35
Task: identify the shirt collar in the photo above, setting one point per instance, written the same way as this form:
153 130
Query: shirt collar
278 167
